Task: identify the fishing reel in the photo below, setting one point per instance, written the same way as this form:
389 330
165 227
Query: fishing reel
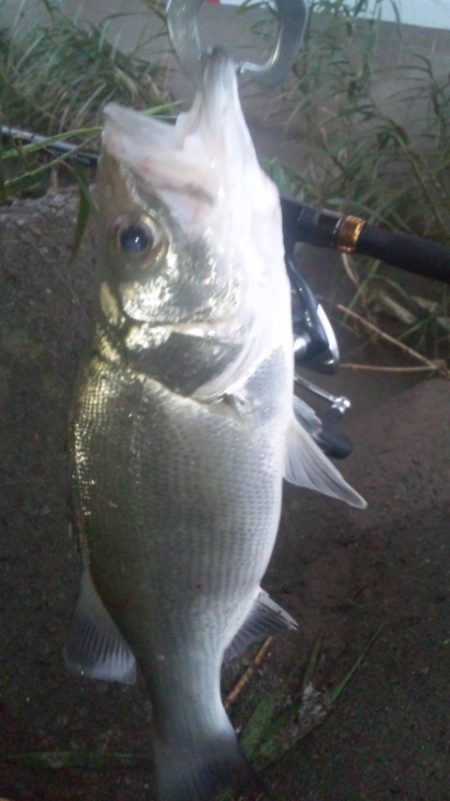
316 348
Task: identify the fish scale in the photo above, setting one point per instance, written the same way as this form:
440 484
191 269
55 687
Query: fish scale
217 500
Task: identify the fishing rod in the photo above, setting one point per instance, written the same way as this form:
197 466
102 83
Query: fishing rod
318 227
68 148
349 234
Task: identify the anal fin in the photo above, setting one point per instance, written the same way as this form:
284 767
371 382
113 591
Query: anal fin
265 618
95 647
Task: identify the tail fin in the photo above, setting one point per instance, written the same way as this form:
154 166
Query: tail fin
194 771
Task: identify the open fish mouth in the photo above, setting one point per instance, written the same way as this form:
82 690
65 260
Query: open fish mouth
128 132
203 162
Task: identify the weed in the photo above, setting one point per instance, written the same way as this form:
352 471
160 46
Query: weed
56 74
377 144
276 726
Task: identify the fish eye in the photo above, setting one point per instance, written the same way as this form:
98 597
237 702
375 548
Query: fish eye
135 238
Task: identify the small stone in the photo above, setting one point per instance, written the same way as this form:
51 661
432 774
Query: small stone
57 201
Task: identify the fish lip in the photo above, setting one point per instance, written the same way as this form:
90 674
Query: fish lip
218 85
219 71
132 122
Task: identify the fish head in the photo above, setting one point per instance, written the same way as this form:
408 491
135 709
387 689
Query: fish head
190 224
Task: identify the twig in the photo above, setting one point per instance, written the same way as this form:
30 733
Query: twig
382 369
251 670
438 366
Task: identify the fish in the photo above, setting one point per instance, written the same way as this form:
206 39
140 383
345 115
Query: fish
183 424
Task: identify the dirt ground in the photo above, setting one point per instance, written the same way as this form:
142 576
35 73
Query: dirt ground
341 572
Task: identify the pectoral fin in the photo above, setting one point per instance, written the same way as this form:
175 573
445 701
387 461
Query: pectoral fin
306 416
265 618
307 466
95 647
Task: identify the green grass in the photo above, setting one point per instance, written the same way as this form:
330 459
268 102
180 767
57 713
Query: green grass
56 75
378 152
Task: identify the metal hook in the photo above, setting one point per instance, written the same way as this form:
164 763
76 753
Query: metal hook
184 35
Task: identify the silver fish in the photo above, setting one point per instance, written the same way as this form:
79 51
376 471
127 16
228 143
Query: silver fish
183 423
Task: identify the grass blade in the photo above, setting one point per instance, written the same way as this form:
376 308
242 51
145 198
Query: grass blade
85 207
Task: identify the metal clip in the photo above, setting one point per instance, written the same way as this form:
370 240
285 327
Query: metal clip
185 39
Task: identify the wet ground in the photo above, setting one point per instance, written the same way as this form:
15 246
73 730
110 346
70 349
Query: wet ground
342 573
